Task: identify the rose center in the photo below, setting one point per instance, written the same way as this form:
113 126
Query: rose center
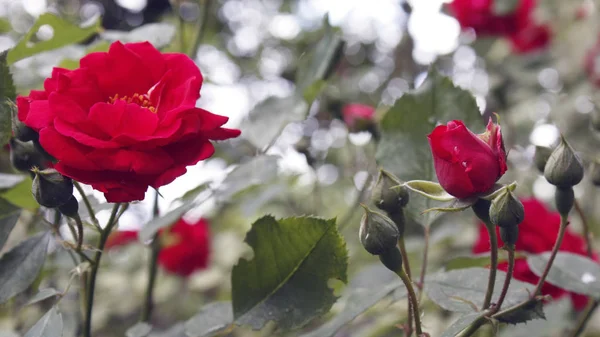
141 100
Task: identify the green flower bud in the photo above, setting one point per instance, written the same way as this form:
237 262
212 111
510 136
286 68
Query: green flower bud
50 188
506 210
22 132
564 199
564 167
71 208
377 232
509 235
481 208
399 219
541 156
387 198
24 156
392 259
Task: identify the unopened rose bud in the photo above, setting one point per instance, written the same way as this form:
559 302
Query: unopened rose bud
392 259
71 208
50 188
399 219
22 132
509 235
377 232
506 210
564 198
24 156
541 156
387 198
481 208
564 167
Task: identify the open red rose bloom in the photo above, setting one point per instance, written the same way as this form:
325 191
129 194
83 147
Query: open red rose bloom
185 246
537 234
125 120
467 164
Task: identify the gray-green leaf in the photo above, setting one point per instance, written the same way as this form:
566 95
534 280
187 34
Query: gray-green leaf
287 279
147 232
9 215
20 266
140 329
211 319
43 294
569 271
50 325
460 324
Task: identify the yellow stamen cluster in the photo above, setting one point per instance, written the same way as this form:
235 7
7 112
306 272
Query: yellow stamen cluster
141 100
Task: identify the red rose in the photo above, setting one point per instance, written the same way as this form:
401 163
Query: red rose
186 246
357 116
465 163
537 234
124 120
479 15
529 39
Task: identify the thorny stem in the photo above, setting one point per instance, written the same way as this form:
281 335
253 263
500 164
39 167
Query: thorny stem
152 269
586 229
421 283
112 221
87 204
493 264
80 232
406 266
561 234
202 30
511 266
412 299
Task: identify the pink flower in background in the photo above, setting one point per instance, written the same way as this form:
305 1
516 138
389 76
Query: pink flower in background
357 116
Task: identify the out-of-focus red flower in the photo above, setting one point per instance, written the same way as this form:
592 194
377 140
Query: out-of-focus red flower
518 25
592 64
537 234
358 116
467 164
185 246
124 120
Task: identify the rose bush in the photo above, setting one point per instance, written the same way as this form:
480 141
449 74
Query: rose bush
185 246
124 120
465 163
537 234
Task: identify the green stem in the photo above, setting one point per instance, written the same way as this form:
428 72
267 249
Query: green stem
80 232
412 299
511 266
585 318
87 329
406 266
421 283
202 30
152 269
87 204
587 234
493 264
561 234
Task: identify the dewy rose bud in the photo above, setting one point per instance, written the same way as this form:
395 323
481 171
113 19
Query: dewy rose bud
50 188
125 120
377 233
506 210
467 164
387 198
564 167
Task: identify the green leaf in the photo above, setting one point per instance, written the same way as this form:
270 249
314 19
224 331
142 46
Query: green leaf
20 266
404 148
194 192
257 171
569 271
158 34
148 230
50 325
287 279
211 319
20 195
481 260
315 68
64 33
460 324
9 215
141 329
7 86
43 294
266 121
557 319
429 189
531 310
456 205
463 290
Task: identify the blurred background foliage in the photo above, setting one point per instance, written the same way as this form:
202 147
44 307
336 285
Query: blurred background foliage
296 156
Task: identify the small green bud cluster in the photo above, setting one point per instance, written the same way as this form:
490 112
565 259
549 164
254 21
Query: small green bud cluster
564 170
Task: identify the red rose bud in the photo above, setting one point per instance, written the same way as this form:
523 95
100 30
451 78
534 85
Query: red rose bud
378 233
125 120
506 210
24 156
358 117
488 19
564 167
537 234
70 208
467 164
50 188
387 194
531 39
541 156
